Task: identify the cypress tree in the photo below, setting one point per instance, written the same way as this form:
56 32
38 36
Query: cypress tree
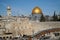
42 18
55 18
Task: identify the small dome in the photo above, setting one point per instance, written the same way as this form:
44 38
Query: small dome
36 10
8 7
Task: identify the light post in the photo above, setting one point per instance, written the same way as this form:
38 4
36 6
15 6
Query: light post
33 34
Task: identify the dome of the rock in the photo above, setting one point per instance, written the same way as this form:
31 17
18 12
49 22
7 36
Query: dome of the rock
36 10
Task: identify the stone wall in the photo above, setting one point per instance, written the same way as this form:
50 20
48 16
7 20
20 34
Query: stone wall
24 26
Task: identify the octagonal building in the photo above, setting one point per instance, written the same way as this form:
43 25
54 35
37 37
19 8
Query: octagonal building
36 14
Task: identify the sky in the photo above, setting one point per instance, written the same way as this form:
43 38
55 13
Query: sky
24 7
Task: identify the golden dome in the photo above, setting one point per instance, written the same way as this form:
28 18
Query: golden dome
36 10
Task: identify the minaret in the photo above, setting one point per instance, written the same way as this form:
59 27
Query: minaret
8 11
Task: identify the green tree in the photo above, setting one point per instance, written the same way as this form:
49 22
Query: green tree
55 17
0 16
42 18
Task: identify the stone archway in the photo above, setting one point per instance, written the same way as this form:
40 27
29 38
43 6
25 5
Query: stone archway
42 33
